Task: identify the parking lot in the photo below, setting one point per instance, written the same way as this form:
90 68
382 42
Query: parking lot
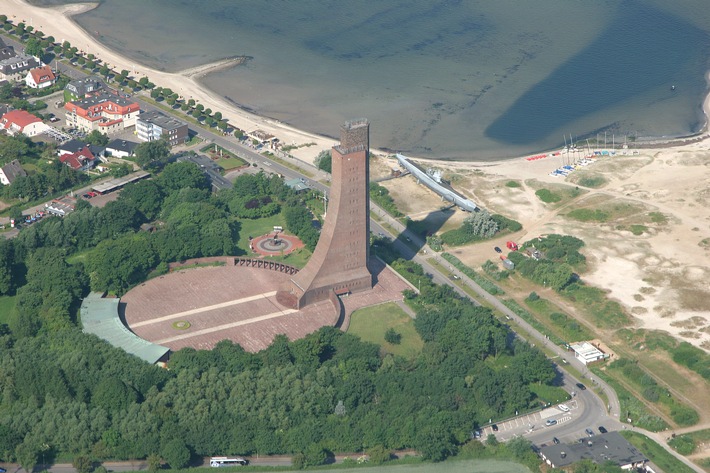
535 420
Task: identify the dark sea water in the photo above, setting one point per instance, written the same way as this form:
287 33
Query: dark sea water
466 79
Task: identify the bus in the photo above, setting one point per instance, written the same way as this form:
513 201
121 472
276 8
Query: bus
218 462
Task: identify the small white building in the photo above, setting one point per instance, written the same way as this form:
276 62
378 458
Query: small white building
587 353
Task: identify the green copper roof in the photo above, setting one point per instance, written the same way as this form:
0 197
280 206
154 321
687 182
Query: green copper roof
99 316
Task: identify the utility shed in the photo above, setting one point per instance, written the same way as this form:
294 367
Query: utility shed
99 316
587 353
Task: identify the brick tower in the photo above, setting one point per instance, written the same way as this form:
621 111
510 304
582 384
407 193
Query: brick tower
340 260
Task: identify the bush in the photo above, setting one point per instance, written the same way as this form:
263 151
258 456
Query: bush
512 184
548 196
391 336
532 297
684 416
589 215
683 444
379 455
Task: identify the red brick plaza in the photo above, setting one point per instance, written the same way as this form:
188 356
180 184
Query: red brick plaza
199 307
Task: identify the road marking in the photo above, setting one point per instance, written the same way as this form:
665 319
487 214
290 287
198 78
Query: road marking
218 328
204 309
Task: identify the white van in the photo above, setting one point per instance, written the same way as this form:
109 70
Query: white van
563 408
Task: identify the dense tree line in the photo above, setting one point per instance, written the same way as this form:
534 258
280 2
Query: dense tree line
327 392
67 393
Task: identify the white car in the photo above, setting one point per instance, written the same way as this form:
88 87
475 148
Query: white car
563 408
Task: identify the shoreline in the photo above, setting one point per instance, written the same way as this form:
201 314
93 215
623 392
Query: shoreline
58 21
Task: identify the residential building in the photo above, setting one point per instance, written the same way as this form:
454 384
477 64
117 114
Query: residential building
20 121
82 160
121 148
107 113
599 449
154 125
80 88
11 171
15 68
74 146
6 52
40 77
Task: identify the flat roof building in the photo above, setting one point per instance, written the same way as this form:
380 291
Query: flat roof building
587 353
154 125
599 449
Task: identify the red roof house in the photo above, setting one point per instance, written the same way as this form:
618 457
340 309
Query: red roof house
20 121
40 77
82 160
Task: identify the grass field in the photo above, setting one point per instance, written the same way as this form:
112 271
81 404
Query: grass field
7 303
656 453
231 163
451 466
371 323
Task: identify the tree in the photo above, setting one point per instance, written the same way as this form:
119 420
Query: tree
97 138
33 48
177 176
153 154
121 170
7 263
176 454
391 336
324 161
239 134
20 29
146 196
104 71
154 462
82 464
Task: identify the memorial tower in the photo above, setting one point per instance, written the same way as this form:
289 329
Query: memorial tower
340 261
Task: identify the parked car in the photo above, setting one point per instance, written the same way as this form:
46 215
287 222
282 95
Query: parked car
555 440
602 429
581 386
563 408
494 427
550 422
498 250
589 432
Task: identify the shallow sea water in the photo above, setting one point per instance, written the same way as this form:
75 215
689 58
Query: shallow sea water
466 79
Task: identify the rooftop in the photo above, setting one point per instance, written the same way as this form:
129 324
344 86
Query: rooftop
165 122
20 118
102 98
600 449
120 181
100 317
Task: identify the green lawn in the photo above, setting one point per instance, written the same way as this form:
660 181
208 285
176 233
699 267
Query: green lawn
262 226
231 163
371 323
656 453
255 228
7 303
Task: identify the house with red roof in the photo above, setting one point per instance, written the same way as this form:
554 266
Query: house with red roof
40 77
82 160
108 113
21 121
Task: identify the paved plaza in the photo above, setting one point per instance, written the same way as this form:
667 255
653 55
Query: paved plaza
198 307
